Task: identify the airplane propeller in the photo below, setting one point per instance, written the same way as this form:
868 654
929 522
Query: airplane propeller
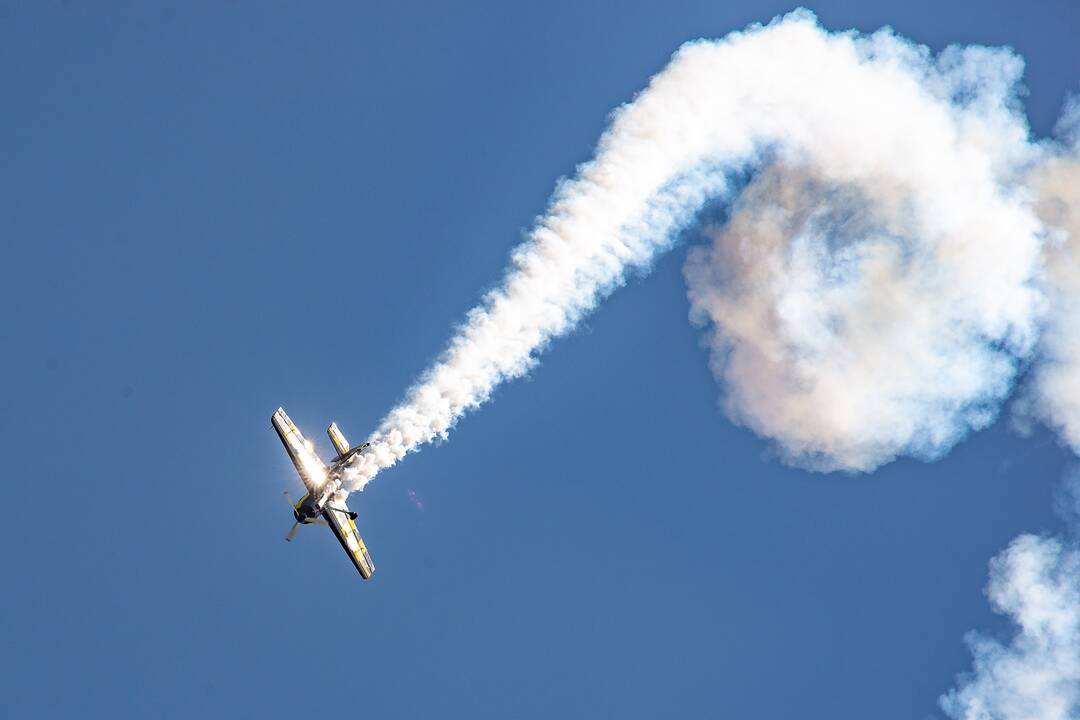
292 530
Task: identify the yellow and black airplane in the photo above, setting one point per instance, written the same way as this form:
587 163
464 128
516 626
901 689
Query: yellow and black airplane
323 504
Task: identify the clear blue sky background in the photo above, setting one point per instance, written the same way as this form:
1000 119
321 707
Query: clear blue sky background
210 209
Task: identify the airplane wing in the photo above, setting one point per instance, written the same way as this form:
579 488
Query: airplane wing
312 470
337 514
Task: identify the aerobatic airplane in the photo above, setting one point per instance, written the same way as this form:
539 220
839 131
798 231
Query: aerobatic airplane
320 506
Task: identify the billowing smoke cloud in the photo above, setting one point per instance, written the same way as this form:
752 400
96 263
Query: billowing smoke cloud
1036 582
880 286
1054 393
851 326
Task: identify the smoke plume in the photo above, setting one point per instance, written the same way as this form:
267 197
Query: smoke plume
850 326
896 249
1036 583
876 287
1054 393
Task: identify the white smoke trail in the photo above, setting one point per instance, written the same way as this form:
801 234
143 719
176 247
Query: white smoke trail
851 327
1036 675
925 150
1036 581
1054 393
901 249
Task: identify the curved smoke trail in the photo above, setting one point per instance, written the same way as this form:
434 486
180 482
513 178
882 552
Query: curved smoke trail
876 288
901 250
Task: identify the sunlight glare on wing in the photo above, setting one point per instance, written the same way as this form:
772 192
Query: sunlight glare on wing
314 467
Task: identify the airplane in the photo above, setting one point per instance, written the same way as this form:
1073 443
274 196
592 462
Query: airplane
320 505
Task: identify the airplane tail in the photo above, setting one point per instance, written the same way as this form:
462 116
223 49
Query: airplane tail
342 445
338 438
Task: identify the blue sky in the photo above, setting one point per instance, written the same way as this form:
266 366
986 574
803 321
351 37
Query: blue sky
212 210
